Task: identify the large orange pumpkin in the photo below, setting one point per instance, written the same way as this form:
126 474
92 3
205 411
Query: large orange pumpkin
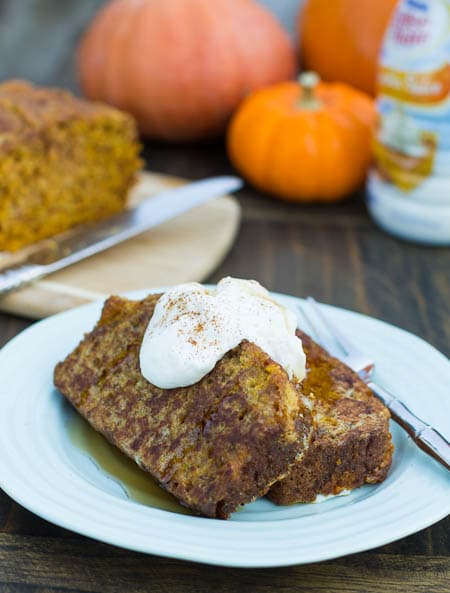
182 66
308 142
341 39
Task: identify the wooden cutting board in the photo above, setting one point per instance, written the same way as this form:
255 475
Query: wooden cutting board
187 248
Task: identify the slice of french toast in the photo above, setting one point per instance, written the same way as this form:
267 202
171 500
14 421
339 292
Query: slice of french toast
214 445
351 444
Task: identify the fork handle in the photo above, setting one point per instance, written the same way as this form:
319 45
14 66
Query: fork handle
425 436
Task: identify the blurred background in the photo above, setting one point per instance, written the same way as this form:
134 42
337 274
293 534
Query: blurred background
333 251
30 28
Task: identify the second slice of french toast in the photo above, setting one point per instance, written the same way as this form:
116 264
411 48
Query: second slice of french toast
351 444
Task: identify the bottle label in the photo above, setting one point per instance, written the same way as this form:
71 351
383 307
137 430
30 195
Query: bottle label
412 145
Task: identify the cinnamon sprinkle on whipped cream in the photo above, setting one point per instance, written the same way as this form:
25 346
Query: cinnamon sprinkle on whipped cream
193 327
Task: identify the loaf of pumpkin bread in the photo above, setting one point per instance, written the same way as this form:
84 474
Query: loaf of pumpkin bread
63 161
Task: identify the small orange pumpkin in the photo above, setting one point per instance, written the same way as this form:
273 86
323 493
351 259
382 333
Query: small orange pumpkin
341 39
182 66
307 142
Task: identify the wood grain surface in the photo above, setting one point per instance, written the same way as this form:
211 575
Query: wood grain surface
334 253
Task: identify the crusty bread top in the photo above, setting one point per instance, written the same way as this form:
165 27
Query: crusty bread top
26 108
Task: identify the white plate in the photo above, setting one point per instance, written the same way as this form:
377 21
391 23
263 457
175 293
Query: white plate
44 472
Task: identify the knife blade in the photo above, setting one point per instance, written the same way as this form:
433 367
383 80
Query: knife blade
87 240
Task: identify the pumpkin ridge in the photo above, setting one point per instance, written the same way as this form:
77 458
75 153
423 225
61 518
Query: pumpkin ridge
221 75
133 83
91 52
114 65
267 165
331 172
235 40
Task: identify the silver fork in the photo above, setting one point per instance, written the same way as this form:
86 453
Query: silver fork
424 435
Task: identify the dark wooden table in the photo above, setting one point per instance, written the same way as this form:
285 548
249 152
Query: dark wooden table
334 253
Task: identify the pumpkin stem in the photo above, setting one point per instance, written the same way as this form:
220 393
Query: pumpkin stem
308 82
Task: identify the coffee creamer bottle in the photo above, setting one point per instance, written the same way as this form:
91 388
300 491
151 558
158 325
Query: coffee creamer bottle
409 185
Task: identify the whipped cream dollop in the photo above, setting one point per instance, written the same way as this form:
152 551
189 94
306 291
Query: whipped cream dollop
193 327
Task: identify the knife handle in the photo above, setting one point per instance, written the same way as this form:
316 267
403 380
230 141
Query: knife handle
18 276
425 436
